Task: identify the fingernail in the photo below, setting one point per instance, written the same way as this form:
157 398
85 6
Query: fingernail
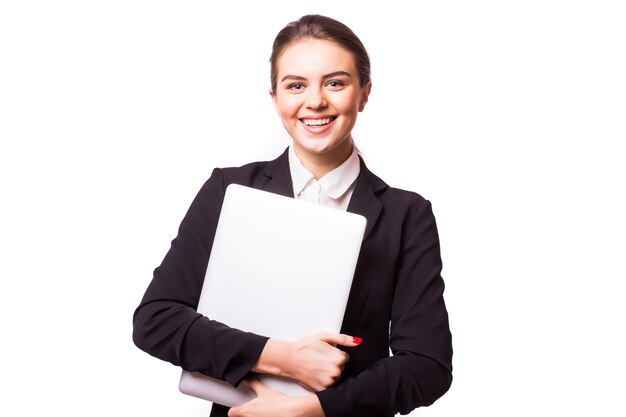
357 340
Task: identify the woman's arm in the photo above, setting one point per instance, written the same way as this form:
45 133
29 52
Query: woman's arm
166 324
270 403
421 369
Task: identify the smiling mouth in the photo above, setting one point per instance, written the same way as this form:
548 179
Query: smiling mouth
318 122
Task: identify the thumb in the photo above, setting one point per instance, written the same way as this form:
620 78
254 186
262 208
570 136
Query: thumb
341 339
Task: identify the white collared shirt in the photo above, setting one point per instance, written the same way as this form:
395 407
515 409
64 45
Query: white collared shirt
332 190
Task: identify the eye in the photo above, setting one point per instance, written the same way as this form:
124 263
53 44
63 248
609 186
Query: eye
295 86
335 84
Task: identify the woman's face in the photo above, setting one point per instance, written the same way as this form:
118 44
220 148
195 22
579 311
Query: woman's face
318 97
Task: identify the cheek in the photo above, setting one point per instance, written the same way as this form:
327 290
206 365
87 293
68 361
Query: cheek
349 104
287 108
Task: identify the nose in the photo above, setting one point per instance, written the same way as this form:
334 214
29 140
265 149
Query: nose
315 99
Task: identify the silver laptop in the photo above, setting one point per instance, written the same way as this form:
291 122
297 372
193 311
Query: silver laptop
288 263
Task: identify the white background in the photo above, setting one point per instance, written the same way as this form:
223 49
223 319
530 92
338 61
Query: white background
509 116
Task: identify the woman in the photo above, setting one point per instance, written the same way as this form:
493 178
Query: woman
320 81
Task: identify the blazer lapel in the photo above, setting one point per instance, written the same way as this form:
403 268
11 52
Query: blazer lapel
364 200
278 176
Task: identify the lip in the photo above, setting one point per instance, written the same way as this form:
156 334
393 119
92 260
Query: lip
318 129
318 117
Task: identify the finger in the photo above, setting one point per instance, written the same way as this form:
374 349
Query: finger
257 386
341 339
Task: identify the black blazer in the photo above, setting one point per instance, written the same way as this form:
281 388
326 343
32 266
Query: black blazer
396 300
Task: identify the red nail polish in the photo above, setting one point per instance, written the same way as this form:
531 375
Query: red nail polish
357 340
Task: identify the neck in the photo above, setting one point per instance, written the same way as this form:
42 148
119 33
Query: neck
321 164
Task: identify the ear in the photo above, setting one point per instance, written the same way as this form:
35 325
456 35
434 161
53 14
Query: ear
273 95
365 95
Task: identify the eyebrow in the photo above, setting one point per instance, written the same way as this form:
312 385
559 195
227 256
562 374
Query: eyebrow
332 74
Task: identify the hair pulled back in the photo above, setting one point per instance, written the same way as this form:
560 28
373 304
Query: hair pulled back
323 28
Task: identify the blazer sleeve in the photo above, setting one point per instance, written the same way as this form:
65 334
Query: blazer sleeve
166 324
420 370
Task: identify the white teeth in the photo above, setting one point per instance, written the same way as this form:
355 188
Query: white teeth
316 122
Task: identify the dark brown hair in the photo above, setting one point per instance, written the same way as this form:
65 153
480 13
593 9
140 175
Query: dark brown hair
321 27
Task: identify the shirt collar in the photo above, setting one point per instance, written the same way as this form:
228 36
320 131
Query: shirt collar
300 176
335 183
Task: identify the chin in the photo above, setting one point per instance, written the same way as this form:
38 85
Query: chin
318 150
313 145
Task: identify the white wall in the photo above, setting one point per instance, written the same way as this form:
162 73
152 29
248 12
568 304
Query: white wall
508 116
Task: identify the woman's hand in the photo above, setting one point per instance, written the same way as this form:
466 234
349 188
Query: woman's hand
316 363
313 361
270 403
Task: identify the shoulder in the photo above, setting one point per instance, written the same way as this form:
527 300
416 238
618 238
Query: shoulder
407 215
392 197
409 207
253 173
243 173
404 197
